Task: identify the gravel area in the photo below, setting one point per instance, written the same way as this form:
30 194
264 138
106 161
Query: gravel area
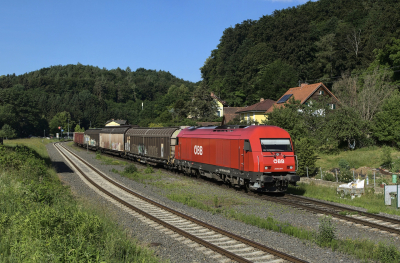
175 251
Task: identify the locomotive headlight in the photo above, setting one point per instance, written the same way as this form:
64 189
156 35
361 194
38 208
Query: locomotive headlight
290 167
267 167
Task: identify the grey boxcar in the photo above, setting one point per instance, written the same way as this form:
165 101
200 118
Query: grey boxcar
112 138
92 137
157 144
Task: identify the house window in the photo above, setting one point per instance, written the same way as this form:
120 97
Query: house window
332 106
254 116
321 92
218 113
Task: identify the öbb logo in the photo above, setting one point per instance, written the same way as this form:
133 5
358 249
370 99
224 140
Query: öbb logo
279 161
198 150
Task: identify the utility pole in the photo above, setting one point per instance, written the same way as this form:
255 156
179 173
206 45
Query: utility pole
68 129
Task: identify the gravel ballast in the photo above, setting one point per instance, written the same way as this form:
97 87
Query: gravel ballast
169 248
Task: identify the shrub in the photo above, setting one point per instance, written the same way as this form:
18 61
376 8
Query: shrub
148 170
130 169
344 164
329 177
345 176
326 231
386 157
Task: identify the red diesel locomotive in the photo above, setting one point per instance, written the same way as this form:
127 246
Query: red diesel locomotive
253 157
260 158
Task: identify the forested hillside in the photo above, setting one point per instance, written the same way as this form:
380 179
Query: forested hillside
353 47
314 42
90 96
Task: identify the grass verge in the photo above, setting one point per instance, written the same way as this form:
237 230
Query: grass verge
40 221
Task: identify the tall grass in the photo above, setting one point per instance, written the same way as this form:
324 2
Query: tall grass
108 160
369 157
41 222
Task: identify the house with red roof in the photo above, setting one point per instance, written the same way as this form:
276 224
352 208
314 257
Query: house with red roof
306 93
256 112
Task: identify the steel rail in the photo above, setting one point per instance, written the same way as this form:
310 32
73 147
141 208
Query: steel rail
205 243
165 224
341 208
333 214
343 217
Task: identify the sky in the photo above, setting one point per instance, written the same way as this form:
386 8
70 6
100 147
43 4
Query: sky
175 35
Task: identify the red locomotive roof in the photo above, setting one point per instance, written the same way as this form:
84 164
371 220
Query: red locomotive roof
258 131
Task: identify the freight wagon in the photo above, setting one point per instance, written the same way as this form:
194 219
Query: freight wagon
92 138
112 139
78 138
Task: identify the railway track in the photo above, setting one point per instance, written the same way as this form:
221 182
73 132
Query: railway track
231 246
359 218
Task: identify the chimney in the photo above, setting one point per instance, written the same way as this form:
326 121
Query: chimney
262 99
212 94
303 84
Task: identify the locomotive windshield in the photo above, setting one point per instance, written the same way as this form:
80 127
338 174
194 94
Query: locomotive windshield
276 145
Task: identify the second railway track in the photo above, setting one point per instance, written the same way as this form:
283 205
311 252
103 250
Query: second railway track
359 218
227 244
373 221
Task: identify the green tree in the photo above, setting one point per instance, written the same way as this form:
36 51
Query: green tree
78 128
386 124
305 152
61 120
345 125
326 54
390 56
202 106
7 132
274 79
288 118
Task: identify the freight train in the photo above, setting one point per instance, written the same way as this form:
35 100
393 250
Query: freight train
259 158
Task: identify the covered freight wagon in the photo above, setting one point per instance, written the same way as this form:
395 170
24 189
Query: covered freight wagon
112 139
151 143
92 137
78 138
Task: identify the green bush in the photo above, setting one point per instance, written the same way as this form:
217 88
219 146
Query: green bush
344 164
326 231
386 157
345 176
130 169
149 170
329 177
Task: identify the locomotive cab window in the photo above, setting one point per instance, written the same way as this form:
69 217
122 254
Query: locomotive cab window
276 145
247 146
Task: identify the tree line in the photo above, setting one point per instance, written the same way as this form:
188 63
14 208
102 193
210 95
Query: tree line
314 42
60 96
